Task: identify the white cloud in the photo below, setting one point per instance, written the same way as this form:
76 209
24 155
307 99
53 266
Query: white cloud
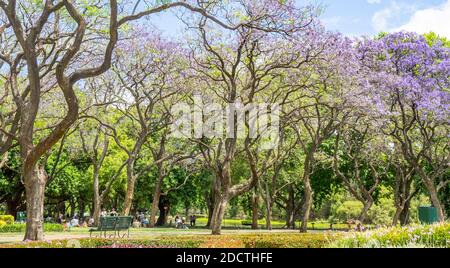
381 20
374 1
434 19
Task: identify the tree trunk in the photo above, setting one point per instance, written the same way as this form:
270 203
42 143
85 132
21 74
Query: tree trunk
164 208
97 210
218 214
402 213
210 200
35 181
186 210
72 207
367 205
156 196
429 184
306 209
81 207
398 212
290 209
269 216
97 197
210 214
437 203
404 216
307 195
131 181
255 208
155 207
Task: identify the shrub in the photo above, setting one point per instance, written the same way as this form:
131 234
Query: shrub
8 219
381 214
2 223
348 210
430 236
20 227
53 227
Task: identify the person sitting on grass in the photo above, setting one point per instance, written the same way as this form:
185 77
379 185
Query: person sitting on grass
74 222
136 223
183 224
66 225
178 222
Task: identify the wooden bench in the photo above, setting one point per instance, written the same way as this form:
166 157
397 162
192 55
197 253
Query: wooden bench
115 224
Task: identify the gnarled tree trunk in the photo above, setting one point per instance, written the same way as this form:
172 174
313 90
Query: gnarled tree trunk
35 181
218 213
368 202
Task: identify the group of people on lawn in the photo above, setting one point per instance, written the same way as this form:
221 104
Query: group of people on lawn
76 221
83 222
180 222
141 219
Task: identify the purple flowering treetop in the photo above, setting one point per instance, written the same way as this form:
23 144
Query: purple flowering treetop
408 84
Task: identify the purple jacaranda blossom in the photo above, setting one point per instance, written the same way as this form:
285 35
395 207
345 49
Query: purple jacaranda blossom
403 67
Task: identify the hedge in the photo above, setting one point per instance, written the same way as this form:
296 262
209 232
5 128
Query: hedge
20 227
8 219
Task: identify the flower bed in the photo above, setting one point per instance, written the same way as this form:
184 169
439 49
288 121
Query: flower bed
200 241
428 236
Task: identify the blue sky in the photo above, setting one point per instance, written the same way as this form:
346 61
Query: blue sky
363 17
368 17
